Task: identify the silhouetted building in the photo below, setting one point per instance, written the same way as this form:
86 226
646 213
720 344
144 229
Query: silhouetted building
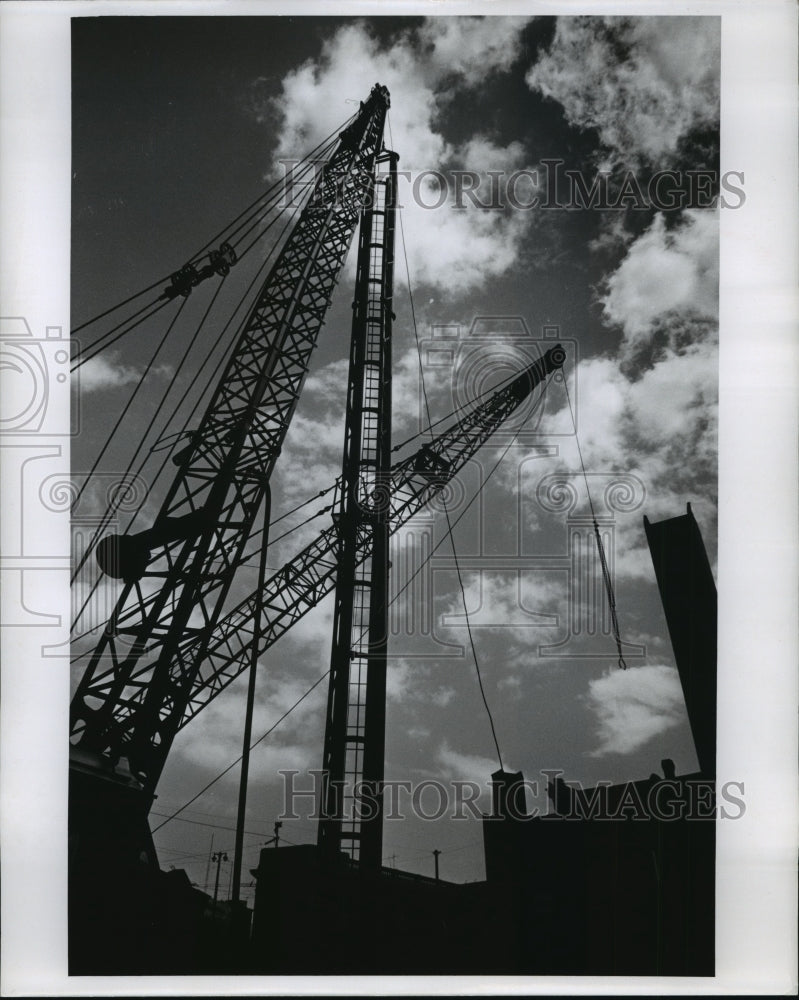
613 880
688 593
620 879
616 879
311 917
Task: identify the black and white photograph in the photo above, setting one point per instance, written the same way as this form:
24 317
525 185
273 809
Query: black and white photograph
386 469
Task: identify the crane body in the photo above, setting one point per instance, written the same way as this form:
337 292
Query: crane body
170 646
189 556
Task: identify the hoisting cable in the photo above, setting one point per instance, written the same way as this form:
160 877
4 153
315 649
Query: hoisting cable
110 512
118 497
396 597
318 496
363 633
119 305
102 342
111 509
458 410
195 378
129 402
294 179
308 164
96 348
225 233
221 234
443 501
466 508
600 547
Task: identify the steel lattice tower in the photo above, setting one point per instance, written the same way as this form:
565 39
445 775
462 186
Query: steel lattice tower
134 693
356 709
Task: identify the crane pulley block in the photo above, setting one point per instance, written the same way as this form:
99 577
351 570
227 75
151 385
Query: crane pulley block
185 278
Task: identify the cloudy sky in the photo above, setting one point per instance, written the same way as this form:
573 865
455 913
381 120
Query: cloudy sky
178 124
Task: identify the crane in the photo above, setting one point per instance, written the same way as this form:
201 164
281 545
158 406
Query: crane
189 554
302 582
170 647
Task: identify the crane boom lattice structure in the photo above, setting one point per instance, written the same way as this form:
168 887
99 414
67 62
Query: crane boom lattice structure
133 695
355 719
299 585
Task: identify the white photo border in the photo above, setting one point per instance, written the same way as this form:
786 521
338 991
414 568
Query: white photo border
757 566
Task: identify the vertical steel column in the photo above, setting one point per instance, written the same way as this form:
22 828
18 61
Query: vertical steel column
374 750
351 806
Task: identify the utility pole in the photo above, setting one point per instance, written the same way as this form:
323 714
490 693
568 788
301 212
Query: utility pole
435 856
208 866
218 857
277 835
245 750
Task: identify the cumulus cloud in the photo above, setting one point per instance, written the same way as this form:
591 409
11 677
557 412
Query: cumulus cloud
644 83
412 681
659 427
632 706
465 767
665 271
101 373
471 47
214 737
451 250
650 410
516 603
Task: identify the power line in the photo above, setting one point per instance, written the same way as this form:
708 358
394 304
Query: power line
197 822
230 767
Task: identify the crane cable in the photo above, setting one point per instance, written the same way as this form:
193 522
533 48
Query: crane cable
102 343
443 501
132 396
308 165
614 621
230 767
326 145
458 410
119 496
222 234
393 600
